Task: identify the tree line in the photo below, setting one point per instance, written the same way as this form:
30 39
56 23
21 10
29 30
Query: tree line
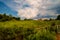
5 17
58 17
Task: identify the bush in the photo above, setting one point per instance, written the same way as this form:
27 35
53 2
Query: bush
4 17
58 17
20 33
41 35
11 33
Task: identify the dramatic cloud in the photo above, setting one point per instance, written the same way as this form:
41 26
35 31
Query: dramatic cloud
28 13
42 7
35 8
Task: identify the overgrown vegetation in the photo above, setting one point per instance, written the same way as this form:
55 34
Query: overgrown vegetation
4 17
58 17
12 29
28 30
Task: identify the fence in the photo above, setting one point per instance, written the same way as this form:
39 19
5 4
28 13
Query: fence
58 28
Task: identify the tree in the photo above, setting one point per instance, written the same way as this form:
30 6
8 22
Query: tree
50 19
4 17
18 18
58 17
28 19
10 15
25 19
4 14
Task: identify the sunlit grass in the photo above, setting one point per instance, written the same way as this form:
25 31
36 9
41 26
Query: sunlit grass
28 30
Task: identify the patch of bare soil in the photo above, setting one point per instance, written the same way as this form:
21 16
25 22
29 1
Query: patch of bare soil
58 36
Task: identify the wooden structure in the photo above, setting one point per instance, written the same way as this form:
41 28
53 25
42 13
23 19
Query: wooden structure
58 29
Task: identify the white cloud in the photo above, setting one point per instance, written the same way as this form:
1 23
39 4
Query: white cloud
38 7
31 8
27 13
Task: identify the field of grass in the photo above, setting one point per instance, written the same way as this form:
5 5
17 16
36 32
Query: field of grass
28 30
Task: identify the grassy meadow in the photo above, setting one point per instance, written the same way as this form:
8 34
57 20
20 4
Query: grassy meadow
28 30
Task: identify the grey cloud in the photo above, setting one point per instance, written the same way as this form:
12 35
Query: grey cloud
35 8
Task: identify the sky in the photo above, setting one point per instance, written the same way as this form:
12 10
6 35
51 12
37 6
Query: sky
31 9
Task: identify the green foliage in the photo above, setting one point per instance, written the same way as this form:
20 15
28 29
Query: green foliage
50 19
20 33
4 17
28 30
28 19
58 17
11 33
41 35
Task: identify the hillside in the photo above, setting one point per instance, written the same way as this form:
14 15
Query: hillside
13 28
28 30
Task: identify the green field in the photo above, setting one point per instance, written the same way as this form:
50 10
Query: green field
28 30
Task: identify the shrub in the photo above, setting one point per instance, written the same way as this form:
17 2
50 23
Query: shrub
58 17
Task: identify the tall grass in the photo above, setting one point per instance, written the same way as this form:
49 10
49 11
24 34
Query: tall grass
28 30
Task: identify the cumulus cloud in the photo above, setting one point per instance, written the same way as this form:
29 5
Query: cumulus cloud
33 8
28 13
39 7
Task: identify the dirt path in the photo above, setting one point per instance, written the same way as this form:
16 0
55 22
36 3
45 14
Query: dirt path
58 37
